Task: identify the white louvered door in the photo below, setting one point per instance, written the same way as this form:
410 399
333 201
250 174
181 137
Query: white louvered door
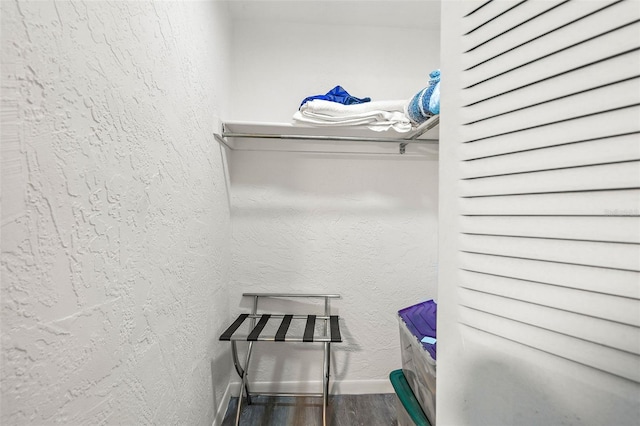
539 292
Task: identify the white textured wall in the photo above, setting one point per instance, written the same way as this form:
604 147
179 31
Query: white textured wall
278 64
362 226
115 217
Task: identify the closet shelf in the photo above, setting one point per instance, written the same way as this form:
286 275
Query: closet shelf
240 135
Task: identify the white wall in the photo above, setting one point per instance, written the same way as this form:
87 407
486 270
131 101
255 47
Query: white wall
361 226
278 64
115 217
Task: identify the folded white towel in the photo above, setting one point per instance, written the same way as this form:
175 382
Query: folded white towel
380 116
336 109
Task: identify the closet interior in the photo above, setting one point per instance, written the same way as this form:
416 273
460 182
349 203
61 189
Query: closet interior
338 209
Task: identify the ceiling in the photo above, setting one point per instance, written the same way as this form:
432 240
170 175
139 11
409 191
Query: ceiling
423 14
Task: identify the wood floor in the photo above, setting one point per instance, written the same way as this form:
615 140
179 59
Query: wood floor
344 410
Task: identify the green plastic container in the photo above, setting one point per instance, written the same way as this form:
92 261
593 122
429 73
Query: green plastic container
407 398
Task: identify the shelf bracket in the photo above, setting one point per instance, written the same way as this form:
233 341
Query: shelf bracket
403 147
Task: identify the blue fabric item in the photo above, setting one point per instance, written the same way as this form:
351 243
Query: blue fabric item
339 95
434 100
421 322
415 108
427 101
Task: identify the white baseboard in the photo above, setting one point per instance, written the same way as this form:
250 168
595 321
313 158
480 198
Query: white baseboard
359 387
232 389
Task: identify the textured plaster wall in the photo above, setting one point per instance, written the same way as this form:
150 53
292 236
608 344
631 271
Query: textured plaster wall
277 64
362 226
115 215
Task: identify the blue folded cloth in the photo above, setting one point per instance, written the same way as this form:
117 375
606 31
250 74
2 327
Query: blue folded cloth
426 102
339 95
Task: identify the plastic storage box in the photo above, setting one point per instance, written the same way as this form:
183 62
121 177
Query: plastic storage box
418 323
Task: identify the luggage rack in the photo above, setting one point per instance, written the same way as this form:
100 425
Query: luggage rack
330 334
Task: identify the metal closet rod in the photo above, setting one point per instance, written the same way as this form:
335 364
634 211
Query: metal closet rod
327 138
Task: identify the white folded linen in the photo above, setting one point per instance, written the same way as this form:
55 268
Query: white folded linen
377 116
336 109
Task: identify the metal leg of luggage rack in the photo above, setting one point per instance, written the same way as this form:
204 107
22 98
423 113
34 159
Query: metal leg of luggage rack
326 365
325 384
239 370
244 385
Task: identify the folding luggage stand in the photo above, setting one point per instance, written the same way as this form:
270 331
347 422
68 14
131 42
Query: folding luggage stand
330 335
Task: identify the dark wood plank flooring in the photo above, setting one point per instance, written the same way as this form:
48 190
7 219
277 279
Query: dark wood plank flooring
343 410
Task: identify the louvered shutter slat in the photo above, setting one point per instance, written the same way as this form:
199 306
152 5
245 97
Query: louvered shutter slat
549 298
606 124
479 17
627 256
549 92
602 151
599 281
618 229
619 363
488 80
573 42
588 178
551 17
610 97
601 203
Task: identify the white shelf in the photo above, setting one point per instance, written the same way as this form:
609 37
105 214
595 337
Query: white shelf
247 136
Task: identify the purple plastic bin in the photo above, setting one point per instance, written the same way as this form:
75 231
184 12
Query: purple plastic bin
421 322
